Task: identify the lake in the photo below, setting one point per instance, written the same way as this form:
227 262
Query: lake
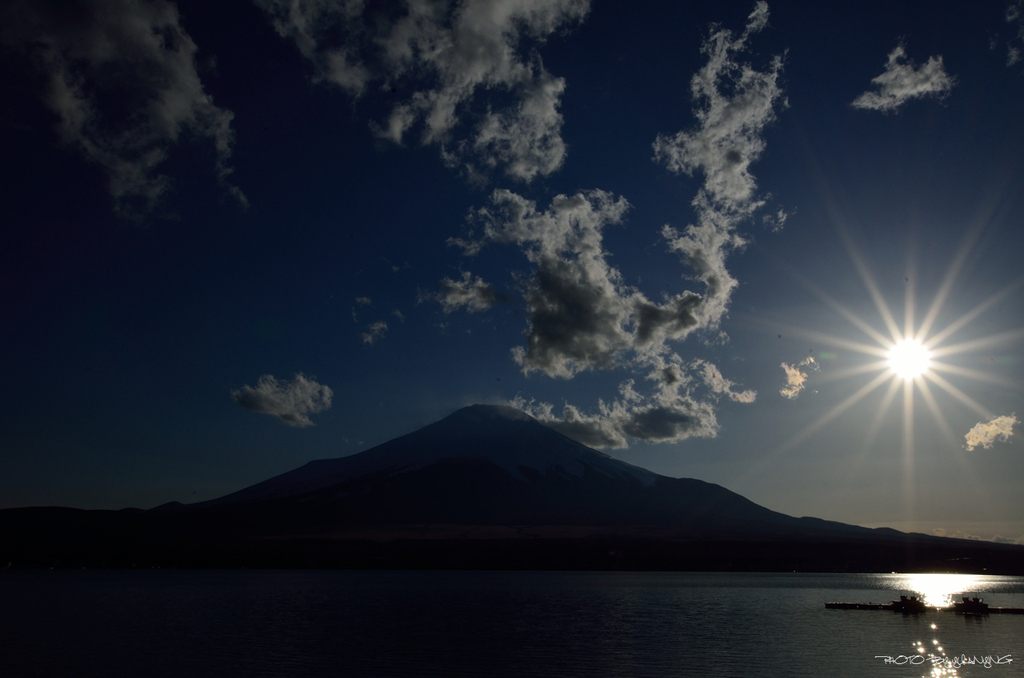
560 624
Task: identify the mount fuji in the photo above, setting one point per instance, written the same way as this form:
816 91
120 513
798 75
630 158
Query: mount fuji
486 487
493 465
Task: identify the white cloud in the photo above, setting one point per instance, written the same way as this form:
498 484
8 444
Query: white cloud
714 380
122 79
796 378
733 104
776 222
471 53
986 433
902 81
307 23
1015 15
291 402
582 316
374 332
527 139
472 294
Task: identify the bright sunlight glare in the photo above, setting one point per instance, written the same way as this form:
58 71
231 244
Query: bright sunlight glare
909 359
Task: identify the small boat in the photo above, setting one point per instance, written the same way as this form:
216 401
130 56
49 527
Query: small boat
973 605
909 605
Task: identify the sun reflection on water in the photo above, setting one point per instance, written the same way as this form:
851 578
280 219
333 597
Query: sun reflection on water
938 590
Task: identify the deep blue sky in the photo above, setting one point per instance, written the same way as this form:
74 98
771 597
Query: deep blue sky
200 196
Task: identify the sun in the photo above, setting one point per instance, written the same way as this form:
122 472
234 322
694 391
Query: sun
911 356
909 359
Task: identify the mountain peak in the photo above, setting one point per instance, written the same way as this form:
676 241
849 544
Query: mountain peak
502 435
488 413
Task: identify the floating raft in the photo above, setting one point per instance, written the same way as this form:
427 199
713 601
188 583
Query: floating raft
894 607
858 606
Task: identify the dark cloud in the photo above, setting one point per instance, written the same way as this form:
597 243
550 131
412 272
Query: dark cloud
674 319
662 423
291 402
122 80
577 306
667 417
595 431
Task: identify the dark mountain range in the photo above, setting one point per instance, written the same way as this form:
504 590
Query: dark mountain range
487 486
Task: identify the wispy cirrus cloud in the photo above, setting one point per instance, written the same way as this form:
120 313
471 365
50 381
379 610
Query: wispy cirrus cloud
446 64
902 81
1015 17
375 332
290 402
987 433
121 77
796 378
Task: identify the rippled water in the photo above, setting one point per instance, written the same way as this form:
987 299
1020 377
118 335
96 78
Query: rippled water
344 623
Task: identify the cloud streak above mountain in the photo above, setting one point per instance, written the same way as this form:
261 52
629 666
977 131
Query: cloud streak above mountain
668 416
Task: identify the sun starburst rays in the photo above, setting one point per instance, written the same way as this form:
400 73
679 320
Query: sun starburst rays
912 358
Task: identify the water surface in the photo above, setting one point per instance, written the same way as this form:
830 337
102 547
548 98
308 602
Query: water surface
564 624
